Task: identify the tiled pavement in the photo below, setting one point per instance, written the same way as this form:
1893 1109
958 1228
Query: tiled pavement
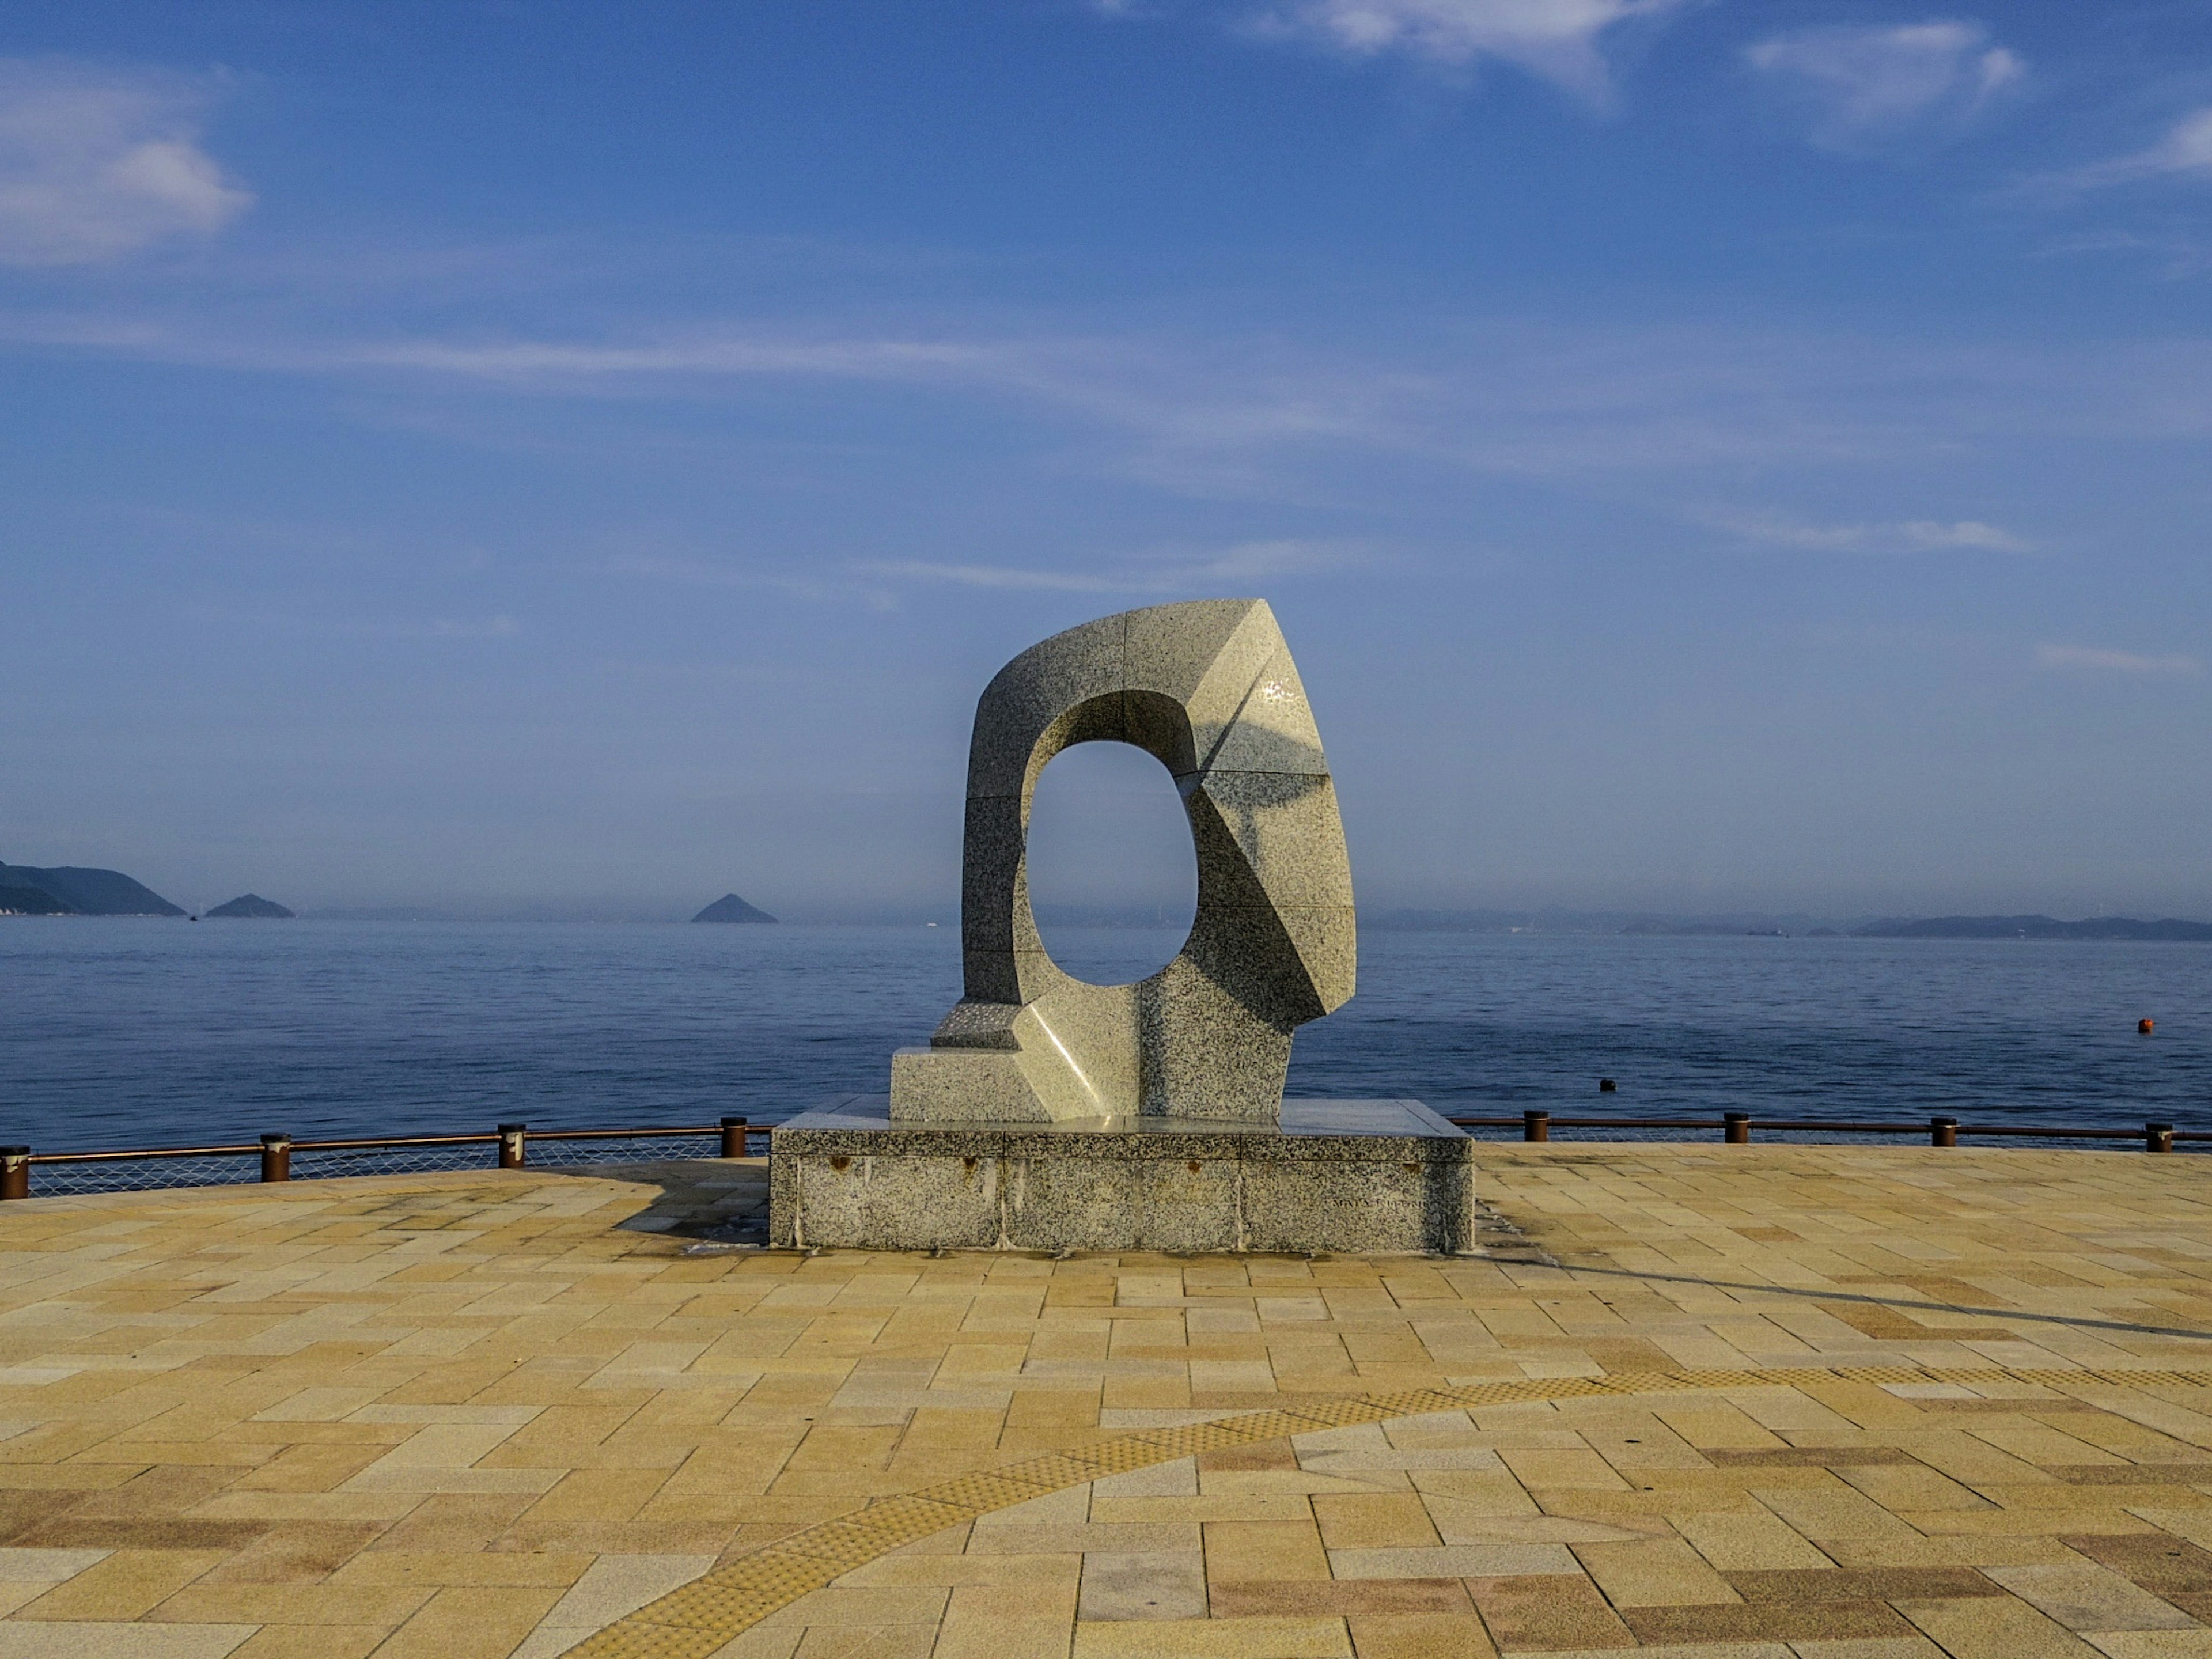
1721 1403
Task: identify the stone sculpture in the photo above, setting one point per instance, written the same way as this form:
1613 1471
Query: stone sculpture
1209 690
1048 1113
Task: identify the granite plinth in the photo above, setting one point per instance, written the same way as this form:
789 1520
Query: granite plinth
1356 1176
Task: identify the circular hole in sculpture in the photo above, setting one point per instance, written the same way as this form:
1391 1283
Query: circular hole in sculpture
1112 877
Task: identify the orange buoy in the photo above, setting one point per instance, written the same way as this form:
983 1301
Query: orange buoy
2142 1027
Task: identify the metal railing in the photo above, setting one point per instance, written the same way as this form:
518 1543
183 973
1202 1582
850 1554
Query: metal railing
1737 1127
142 1168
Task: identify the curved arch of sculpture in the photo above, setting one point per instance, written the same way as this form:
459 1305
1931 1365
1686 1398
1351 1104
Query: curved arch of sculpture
1207 688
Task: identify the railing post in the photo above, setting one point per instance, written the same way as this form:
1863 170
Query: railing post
1535 1126
15 1171
733 1137
1943 1131
510 1144
1736 1128
276 1158
2158 1137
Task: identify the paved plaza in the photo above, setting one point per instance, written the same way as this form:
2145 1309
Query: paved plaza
1709 1402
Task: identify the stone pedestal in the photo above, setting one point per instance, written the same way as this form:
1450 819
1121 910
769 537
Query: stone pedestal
1355 1177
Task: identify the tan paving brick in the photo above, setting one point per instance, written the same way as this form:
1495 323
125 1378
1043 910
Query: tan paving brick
2084 1597
1653 1573
1548 1614
1994 1629
331 1408
126 1584
1227 1639
1264 1550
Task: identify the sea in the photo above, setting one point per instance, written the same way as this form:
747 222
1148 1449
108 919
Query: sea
118 1032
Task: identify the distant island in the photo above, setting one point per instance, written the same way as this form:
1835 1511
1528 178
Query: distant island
252 904
1792 925
70 891
2125 928
731 908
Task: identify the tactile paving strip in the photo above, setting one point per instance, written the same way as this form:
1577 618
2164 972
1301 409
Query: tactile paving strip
694 1621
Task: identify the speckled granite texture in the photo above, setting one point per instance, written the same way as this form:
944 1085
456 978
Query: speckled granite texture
1376 1177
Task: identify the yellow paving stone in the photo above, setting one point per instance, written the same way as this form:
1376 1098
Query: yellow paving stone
312 1642
1818 1287
1244 1550
1653 1573
126 1584
464 1623
2087 1598
2154 1643
483 1567
1379 1520
1228 1639
1982 1628
382 1606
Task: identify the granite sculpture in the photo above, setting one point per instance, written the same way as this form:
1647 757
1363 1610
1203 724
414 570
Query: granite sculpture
1208 688
1049 1114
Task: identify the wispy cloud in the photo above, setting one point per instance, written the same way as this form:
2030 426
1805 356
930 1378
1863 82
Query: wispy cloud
988 575
1168 572
1142 571
95 164
1911 536
2185 151
1234 415
1559 40
2095 659
876 582
1864 85
499 626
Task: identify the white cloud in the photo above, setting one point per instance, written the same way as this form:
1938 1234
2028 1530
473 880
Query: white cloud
2113 662
2184 152
97 164
1178 572
496 626
1232 416
990 576
1864 84
1557 39
1911 536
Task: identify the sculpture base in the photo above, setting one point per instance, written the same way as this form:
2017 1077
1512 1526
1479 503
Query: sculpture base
1355 1177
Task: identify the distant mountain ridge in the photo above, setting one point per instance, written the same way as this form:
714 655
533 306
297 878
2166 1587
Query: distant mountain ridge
83 892
2120 928
17 900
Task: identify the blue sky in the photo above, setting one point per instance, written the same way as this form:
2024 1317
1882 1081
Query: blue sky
1704 455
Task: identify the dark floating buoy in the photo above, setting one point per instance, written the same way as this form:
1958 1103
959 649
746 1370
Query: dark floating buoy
2142 1027
1606 1085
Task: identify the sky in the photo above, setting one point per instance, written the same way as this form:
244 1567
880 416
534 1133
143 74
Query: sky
586 457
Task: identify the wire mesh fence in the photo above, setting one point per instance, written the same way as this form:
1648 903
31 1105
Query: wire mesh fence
1742 1129
612 1149
72 1179
26 1174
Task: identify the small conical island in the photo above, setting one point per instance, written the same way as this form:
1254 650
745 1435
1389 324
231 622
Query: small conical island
252 904
731 908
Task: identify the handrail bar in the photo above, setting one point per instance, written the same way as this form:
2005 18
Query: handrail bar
359 1143
142 1152
276 1151
621 1134
1830 1125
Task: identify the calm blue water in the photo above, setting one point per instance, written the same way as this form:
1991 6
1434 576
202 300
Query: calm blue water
117 1032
